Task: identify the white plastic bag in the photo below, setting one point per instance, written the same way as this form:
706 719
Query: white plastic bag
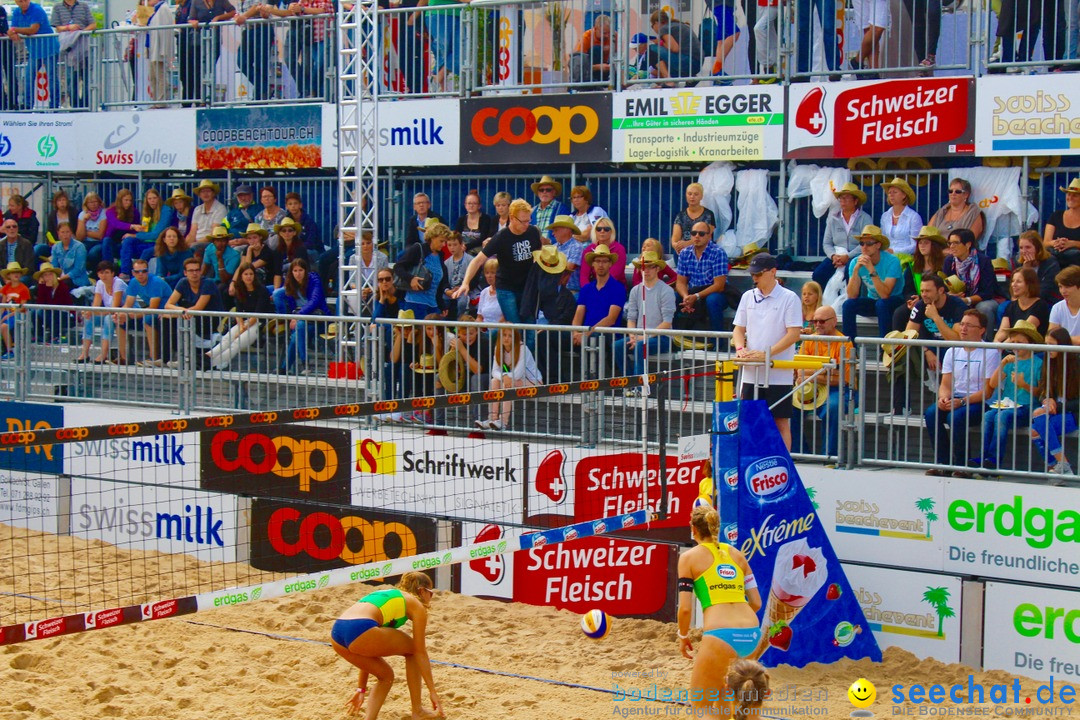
825 182
835 291
997 193
798 179
758 212
718 179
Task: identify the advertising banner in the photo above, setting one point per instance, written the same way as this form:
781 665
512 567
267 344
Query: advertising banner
282 461
785 543
923 116
622 577
1013 531
1026 115
304 537
871 518
158 140
34 501
698 124
252 138
157 518
28 417
524 129
1032 631
481 480
919 612
39 142
419 133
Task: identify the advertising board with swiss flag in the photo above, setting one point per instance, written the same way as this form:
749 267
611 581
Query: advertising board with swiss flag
921 116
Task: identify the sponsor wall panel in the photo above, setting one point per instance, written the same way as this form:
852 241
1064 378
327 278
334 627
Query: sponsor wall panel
924 117
698 125
870 517
155 518
419 133
39 142
282 461
28 417
1032 631
158 140
307 537
33 501
411 472
522 129
1013 531
1026 115
622 577
919 612
287 136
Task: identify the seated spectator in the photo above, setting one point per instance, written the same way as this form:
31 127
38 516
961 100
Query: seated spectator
667 275
207 215
414 226
563 230
158 216
386 306
934 317
650 305
600 302
1066 313
220 260
501 203
240 217
959 212
108 293
69 257
455 267
171 251
1061 236
61 212
120 221
420 268
678 50
976 270
1018 381
488 309
250 297
1031 253
546 293
145 291
475 227
703 269
603 233
192 292
91 229
1056 416
841 232
301 295
51 325
585 214
693 213
961 395
512 366
271 216
875 283
811 301
267 263
929 260
547 191
900 222
591 60
1025 305
401 359
309 229
14 292
841 386
20 211
473 348
290 246
16 249
180 202
369 264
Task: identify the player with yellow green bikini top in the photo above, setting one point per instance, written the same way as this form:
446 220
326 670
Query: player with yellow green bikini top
392 605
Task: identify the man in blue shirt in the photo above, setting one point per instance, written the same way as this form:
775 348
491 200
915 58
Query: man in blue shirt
600 303
545 211
27 21
875 283
144 291
703 269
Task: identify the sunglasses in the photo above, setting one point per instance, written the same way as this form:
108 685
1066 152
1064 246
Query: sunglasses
546 189
698 233
385 279
603 229
954 243
292 230
864 243
139 272
821 322
957 192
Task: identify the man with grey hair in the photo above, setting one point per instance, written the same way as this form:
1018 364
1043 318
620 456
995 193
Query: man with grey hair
414 226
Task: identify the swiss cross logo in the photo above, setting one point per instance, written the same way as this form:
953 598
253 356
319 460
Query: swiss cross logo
811 116
492 567
549 476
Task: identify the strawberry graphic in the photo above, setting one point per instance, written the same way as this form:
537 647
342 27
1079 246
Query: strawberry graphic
834 592
549 477
780 636
811 115
492 567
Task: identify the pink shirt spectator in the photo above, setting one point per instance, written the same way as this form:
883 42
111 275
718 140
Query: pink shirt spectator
618 268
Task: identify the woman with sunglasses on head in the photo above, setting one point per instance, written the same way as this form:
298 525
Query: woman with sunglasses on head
369 631
603 233
959 212
585 214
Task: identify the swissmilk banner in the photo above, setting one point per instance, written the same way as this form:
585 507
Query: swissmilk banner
810 613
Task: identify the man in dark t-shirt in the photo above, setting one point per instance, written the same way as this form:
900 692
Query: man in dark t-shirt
933 317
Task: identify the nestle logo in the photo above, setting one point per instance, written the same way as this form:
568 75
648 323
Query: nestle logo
726 572
768 477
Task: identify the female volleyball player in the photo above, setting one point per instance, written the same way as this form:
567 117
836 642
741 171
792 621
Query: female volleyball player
720 577
368 632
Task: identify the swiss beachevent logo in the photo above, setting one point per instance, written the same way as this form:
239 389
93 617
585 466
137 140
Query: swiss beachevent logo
862 517
930 625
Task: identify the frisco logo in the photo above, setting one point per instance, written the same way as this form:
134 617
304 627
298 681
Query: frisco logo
731 532
731 422
539 541
726 572
768 477
570 534
628 521
731 477
599 528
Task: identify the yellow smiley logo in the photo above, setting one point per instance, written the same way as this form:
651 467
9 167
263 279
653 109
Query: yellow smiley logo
862 693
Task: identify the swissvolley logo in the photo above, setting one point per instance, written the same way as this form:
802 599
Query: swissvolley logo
862 517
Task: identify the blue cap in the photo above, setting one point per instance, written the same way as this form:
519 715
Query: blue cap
641 38
244 190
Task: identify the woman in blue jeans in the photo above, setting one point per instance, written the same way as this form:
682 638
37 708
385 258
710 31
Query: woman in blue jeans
650 305
1056 418
301 295
1019 381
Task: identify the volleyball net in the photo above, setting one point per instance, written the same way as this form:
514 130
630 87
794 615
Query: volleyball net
106 524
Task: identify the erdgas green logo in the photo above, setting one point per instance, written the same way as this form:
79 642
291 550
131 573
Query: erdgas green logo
1038 526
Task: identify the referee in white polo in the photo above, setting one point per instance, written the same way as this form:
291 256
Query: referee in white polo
769 318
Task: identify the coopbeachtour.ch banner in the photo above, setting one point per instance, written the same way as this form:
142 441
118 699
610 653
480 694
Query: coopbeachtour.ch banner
810 613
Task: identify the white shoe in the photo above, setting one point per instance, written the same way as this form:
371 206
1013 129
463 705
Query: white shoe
482 424
174 364
496 424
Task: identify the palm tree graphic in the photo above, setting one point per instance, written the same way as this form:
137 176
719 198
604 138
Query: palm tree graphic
926 507
938 598
812 493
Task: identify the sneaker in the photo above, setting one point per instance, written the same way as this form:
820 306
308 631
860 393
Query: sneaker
173 364
928 64
935 472
1059 469
496 424
482 424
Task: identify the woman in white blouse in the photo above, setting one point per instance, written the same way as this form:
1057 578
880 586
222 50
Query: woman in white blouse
900 222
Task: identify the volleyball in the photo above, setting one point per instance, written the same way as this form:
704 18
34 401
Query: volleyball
702 500
595 624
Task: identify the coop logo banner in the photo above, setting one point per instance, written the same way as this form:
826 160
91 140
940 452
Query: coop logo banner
927 117
161 140
542 128
1032 631
698 125
27 418
305 537
260 138
294 461
419 133
1026 115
